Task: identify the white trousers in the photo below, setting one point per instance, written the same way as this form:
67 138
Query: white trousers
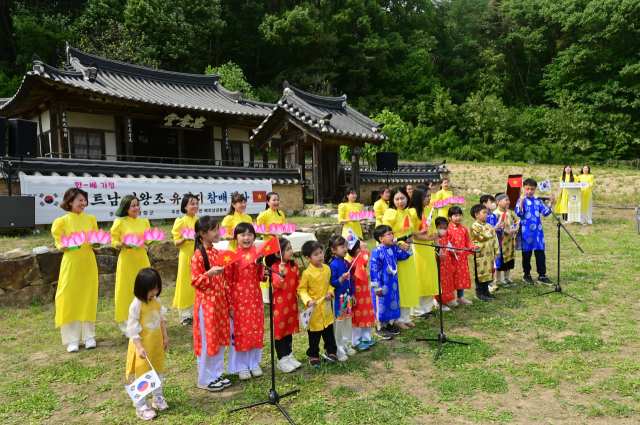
342 331
123 326
363 334
77 331
184 313
424 305
405 315
156 392
265 296
210 368
241 360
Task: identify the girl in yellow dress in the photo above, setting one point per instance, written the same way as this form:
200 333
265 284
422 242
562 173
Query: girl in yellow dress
586 216
149 340
443 194
425 257
185 295
270 215
409 189
77 292
348 205
397 217
131 260
562 206
234 217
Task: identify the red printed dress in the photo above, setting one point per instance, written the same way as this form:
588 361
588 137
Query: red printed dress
362 315
215 298
285 313
459 238
244 279
446 273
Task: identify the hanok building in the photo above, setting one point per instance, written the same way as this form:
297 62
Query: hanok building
100 117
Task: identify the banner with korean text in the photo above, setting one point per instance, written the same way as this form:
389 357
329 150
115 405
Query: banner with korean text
159 198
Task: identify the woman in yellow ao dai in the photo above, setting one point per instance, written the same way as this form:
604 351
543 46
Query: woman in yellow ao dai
267 217
130 260
586 203
443 194
349 205
77 291
185 295
234 217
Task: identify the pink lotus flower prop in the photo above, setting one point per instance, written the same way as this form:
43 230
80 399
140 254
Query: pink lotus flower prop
100 237
450 201
260 228
154 235
224 232
133 240
188 233
289 228
73 241
361 215
277 229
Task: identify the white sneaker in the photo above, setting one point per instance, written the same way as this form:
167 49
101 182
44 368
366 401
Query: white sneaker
493 288
444 307
350 351
244 374
90 343
256 371
342 358
72 346
285 365
293 361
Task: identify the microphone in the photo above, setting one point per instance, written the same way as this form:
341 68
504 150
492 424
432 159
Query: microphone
402 238
542 198
259 260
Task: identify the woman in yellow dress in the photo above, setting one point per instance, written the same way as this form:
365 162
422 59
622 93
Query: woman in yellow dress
443 194
409 188
131 260
347 206
185 295
425 257
267 217
562 206
381 205
77 292
234 217
397 217
586 217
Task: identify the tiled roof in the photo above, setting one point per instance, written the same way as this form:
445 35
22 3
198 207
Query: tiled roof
80 167
329 115
164 88
407 173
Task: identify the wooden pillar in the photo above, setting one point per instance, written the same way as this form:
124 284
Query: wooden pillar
281 162
225 144
116 125
40 136
55 134
181 151
128 131
317 174
355 169
265 158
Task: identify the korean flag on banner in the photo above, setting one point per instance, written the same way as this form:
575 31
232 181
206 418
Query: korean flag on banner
143 385
544 185
352 238
305 317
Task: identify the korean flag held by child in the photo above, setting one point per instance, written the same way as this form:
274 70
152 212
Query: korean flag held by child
544 185
352 238
143 385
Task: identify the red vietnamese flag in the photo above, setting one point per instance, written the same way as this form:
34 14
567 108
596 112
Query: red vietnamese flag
246 257
360 266
269 247
515 182
259 196
226 258
406 224
425 223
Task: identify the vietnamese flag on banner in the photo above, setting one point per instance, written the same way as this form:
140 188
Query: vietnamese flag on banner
406 224
360 267
259 196
515 182
226 258
269 247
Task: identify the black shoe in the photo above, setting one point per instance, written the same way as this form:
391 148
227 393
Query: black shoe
225 382
188 321
486 292
427 315
392 330
331 358
214 386
314 362
546 281
528 279
384 334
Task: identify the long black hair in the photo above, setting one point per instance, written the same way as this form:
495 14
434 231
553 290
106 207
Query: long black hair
203 225
334 242
349 190
185 201
271 259
417 200
394 191
146 281
564 173
269 195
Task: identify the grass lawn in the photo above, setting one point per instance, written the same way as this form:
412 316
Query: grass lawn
538 360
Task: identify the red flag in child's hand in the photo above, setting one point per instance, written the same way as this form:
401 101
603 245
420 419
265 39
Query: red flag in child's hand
269 247
247 257
515 182
406 224
226 258
360 267
504 216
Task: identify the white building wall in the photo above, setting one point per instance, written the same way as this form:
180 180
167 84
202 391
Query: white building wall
82 120
109 146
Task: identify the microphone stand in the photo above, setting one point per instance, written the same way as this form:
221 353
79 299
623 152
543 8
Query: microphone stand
558 288
274 397
442 338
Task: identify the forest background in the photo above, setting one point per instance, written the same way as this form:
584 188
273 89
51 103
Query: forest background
555 81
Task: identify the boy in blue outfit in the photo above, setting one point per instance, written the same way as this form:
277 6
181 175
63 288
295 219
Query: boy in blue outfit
530 210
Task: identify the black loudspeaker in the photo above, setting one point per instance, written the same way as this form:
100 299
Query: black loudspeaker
17 212
23 138
3 136
387 161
